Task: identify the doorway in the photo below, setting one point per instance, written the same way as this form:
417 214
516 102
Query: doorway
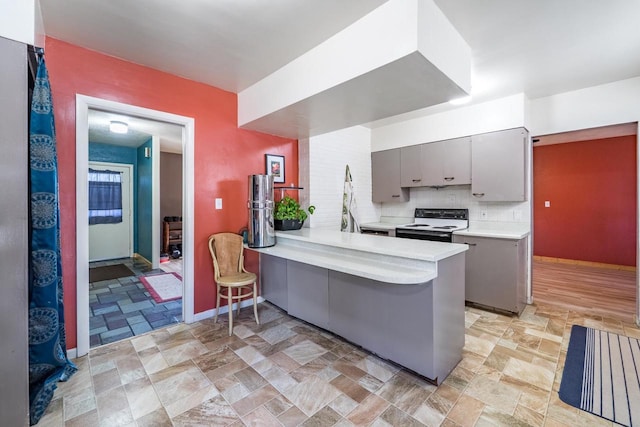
585 222
111 237
83 105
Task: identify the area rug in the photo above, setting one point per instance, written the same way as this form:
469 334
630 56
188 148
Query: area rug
602 375
163 287
108 272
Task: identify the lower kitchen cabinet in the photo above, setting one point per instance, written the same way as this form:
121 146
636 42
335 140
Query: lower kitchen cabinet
273 280
420 326
495 272
308 293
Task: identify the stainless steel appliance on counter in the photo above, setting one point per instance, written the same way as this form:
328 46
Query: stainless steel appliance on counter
261 232
434 224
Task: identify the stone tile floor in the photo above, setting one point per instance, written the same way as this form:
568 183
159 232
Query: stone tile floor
288 373
122 308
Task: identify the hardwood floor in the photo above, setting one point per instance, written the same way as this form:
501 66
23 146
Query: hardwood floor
588 289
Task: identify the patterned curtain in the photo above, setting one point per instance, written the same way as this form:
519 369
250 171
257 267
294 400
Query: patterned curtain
48 361
105 197
349 221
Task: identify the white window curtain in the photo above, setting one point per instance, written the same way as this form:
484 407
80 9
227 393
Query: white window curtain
105 197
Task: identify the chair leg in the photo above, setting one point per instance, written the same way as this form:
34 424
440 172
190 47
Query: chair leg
255 302
215 319
239 292
230 305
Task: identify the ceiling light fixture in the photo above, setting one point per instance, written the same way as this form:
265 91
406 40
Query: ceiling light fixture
460 101
118 127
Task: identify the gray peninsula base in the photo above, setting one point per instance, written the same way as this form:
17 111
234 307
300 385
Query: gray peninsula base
419 326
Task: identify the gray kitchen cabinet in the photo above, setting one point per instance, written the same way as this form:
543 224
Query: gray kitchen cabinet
436 163
495 272
308 293
273 280
498 166
411 166
385 177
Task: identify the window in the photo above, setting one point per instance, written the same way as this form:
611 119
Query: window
105 197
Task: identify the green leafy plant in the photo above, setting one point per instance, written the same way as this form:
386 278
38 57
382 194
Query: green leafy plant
289 208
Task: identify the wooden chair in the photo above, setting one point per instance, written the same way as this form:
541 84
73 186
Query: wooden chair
228 267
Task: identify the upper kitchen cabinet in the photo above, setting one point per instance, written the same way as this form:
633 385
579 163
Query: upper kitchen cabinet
436 164
403 56
498 166
385 177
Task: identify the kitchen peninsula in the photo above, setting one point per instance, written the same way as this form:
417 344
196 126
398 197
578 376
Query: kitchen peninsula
401 299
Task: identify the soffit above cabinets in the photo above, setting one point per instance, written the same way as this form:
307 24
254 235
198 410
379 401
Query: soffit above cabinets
403 56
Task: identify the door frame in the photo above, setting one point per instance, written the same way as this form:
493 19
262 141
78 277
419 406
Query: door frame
130 168
83 104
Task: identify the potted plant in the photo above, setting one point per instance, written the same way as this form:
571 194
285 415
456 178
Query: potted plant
289 215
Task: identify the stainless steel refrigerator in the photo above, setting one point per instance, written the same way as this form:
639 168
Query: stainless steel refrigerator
261 233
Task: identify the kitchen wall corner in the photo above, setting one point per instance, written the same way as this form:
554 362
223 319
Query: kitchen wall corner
328 155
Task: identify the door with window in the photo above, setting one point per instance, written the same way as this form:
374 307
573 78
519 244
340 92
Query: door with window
109 216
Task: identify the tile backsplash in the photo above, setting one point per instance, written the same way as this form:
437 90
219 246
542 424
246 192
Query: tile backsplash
459 196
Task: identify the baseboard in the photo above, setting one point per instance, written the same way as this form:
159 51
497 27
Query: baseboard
584 263
139 257
72 353
211 313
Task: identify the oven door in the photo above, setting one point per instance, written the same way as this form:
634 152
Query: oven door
436 236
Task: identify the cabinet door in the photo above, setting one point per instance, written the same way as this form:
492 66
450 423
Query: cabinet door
498 162
456 161
431 158
308 293
493 272
273 280
411 166
385 177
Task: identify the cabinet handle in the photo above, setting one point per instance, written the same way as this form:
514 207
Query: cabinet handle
416 180
395 195
449 178
471 244
478 194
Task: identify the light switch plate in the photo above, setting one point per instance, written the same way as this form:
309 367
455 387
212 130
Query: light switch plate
218 203
547 204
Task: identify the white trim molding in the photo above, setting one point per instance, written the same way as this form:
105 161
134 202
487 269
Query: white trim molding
83 104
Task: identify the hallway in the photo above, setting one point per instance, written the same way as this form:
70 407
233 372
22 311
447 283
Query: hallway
122 308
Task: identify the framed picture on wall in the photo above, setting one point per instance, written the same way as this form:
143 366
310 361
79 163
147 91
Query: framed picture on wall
274 165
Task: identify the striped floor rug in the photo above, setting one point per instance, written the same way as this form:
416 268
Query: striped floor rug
602 375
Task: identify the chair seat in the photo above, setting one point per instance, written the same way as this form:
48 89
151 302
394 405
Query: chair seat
237 279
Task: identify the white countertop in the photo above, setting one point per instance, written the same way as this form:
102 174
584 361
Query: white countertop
402 248
496 230
388 260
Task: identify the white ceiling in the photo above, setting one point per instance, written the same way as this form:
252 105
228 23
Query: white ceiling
539 47
140 130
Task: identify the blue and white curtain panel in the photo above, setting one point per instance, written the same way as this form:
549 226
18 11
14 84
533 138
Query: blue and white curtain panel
105 197
602 375
48 361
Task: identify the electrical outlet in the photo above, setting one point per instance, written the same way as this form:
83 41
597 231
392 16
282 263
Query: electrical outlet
218 203
483 214
547 204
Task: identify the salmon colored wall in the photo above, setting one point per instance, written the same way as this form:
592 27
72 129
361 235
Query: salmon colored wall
592 189
224 154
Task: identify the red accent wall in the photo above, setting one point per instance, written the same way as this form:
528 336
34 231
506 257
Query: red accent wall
592 189
224 154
